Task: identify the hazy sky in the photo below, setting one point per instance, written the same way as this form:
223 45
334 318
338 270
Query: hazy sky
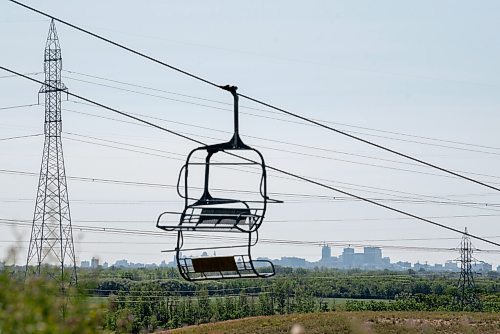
425 69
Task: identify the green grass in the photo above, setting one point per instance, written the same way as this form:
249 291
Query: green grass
357 323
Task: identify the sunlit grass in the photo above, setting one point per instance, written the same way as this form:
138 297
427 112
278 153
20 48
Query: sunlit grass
357 323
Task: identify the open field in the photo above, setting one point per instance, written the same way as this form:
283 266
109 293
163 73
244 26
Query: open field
356 323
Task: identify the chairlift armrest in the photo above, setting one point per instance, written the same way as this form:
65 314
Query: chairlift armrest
166 227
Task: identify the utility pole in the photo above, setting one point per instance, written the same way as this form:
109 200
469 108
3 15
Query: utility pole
51 239
466 298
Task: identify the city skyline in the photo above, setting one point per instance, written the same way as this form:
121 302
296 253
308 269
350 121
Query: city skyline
370 259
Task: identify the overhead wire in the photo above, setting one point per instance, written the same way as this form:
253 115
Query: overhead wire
255 100
19 106
142 183
406 199
21 137
403 199
270 111
269 167
321 179
313 220
124 231
310 147
14 76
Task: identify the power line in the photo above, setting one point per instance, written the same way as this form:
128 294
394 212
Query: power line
402 199
408 200
310 147
269 167
14 76
20 137
396 191
289 113
19 106
370 143
269 111
265 240
117 44
350 242
114 119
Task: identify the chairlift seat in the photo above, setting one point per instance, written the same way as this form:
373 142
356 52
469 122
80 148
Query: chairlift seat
218 219
224 267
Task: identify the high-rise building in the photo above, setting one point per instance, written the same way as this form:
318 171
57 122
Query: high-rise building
348 257
481 267
451 266
373 255
326 253
94 263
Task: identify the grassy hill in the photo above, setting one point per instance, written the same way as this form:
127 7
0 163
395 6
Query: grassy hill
356 323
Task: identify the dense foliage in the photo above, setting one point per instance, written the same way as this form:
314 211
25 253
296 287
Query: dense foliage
151 299
37 306
144 300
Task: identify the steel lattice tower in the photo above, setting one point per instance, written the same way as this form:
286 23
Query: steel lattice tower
51 235
466 298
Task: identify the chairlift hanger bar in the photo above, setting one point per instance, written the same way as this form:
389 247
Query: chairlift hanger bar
289 113
270 167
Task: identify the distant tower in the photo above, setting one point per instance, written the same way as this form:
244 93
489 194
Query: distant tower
51 234
466 298
326 253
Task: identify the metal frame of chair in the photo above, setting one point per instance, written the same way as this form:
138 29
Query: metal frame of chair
211 214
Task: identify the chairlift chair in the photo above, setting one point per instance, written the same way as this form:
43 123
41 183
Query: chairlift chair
239 264
217 214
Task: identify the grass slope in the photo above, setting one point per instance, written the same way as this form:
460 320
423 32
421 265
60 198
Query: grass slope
356 323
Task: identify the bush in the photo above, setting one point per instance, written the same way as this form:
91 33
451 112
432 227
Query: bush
37 306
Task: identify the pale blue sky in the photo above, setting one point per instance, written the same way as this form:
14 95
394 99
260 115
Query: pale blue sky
423 68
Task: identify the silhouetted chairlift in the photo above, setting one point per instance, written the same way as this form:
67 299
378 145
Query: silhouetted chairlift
212 214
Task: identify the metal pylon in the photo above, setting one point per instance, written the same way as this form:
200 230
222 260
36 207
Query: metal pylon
51 240
466 298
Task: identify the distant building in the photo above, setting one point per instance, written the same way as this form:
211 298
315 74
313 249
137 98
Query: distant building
372 256
121 264
293 262
421 267
326 253
402 265
438 267
348 257
498 268
451 266
482 267
94 263
85 264
105 265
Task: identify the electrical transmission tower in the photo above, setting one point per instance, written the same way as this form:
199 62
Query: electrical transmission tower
466 298
51 234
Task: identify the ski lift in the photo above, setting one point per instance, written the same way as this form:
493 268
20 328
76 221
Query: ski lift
220 214
205 267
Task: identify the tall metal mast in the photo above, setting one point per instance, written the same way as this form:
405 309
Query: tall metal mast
51 235
466 298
